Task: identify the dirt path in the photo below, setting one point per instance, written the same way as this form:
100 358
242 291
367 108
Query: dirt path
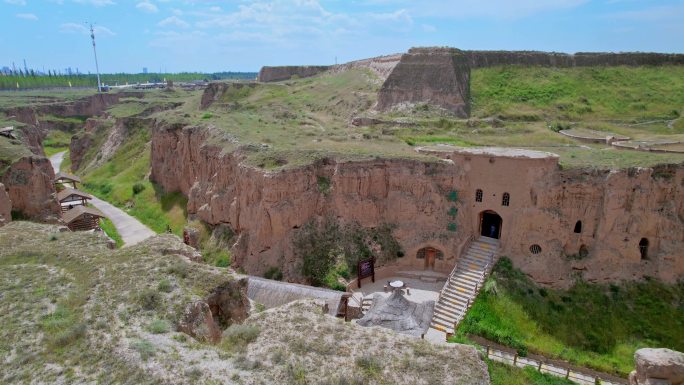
130 229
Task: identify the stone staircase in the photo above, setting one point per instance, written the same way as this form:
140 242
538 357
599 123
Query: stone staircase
464 284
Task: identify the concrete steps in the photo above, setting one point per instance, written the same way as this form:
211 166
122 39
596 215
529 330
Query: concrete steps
463 284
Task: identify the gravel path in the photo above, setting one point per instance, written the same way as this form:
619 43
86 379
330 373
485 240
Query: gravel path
131 230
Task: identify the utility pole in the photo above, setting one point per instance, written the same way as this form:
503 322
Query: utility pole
97 68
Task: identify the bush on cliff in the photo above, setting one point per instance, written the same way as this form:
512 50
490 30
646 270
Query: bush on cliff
600 326
330 250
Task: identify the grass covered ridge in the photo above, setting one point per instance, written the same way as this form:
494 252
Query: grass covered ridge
597 326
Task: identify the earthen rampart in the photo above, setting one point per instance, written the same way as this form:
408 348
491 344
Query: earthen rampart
274 74
481 59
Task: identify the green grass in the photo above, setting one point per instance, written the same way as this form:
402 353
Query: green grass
624 93
56 141
11 150
129 166
502 374
111 231
597 326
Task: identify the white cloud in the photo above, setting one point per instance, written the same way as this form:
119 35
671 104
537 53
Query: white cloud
16 2
82 29
27 16
148 7
97 3
173 21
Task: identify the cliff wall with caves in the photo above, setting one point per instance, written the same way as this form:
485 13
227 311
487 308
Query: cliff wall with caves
617 209
274 74
265 209
437 76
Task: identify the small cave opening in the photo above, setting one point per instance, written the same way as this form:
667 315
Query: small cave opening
643 248
578 227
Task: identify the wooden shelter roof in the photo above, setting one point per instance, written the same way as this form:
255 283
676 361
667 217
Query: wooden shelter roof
77 211
67 176
67 192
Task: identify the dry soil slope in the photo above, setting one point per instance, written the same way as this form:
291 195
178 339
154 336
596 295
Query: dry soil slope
75 312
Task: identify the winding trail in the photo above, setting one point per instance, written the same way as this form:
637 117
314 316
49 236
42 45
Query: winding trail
130 229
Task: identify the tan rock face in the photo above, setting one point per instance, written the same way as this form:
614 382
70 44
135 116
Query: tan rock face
658 366
198 323
29 184
5 206
437 76
616 209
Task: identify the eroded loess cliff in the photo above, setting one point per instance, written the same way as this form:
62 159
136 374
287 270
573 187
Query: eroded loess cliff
5 206
603 226
30 187
265 209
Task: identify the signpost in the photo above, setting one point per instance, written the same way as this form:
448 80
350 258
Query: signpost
366 268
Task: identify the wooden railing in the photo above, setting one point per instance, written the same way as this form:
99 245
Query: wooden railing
555 369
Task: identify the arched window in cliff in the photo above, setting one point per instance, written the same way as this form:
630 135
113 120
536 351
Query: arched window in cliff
578 227
506 200
643 248
478 195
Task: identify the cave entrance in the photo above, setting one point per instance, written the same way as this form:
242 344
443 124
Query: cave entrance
490 224
429 254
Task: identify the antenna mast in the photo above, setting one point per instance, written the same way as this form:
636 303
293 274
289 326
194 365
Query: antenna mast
97 68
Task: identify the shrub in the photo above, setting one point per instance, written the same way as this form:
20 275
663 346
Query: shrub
323 185
159 326
145 348
207 115
138 188
370 365
273 273
179 269
149 299
237 337
165 286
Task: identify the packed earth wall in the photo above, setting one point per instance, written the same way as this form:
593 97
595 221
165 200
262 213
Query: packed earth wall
617 209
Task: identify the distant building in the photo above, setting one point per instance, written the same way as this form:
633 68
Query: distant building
144 70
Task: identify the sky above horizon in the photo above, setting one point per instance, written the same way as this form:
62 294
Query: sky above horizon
235 35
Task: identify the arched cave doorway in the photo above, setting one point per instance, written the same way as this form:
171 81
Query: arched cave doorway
430 254
490 224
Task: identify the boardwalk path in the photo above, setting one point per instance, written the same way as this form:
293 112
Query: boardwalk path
131 230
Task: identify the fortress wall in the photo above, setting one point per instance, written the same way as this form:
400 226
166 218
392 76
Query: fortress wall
480 59
275 74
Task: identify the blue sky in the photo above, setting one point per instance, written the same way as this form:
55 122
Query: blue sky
204 35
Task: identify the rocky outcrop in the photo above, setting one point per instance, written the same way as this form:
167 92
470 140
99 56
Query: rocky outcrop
479 59
198 323
275 74
436 76
5 206
30 186
658 367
